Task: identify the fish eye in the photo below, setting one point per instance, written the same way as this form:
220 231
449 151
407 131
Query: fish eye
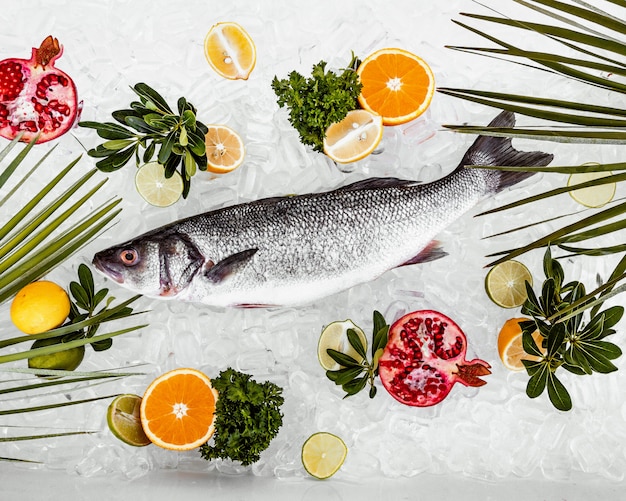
129 257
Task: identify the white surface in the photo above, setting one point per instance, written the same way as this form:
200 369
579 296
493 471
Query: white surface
496 433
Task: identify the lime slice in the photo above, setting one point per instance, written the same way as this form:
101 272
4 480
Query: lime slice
323 454
593 196
124 420
155 188
506 284
335 336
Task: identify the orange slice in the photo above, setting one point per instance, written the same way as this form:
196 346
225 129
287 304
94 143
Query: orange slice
354 137
230 51
397 85
510 346
224 149
178 410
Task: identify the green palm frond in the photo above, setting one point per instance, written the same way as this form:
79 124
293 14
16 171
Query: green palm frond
584 43
72 381
41 234
38 233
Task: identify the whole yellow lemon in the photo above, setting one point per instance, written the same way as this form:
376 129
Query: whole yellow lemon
39 307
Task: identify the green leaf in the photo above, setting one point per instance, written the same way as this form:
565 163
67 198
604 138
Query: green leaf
109 130
555 340
354 386
183 139
343 376
149 153
342 359
80 295
86 280
537 382
190 165
166 148
102 345
355 342
115 161
528 342
557 393
189 119
147 92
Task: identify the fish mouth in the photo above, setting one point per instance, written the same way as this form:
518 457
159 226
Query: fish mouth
102 266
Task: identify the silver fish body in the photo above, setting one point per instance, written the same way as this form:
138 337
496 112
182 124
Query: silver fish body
293 250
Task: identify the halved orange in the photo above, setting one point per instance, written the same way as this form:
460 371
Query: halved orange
224 149
354 137
230 51
397 85
178 410
510 346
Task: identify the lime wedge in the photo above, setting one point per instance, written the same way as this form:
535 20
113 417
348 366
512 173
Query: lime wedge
124 420
155 188
593 196
323 454
335 336
506 284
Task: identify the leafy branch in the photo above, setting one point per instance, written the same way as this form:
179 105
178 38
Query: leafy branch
177 139
355 375
568 342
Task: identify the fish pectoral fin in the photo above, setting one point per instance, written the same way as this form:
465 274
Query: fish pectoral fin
431 252
229 265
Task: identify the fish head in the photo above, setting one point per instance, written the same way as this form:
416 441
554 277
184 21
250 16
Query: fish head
156 265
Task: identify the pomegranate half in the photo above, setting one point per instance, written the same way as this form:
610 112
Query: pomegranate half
425 357
35 97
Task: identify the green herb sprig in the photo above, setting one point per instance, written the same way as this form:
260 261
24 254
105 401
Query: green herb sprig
177 139
569 342
317 102
247 417
83 307
354 375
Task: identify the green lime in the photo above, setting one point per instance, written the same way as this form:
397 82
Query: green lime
66 360
323 454
155 188
124 420
335 336
506 283
593 196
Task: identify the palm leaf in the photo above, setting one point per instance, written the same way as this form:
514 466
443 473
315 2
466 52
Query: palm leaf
76 380
581 42
39 237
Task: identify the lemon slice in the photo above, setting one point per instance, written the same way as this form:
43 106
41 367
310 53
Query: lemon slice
510 346
224 149
124 420
593 196
506 284
354 137
230 51
323 454
155 188
335 336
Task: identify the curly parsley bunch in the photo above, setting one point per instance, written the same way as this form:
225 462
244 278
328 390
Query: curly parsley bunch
247 417
317 102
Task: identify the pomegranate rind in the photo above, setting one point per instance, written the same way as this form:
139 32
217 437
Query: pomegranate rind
425 357
43 104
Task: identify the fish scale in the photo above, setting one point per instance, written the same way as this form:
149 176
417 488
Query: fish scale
285 251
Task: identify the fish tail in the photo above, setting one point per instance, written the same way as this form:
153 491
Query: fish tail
491 150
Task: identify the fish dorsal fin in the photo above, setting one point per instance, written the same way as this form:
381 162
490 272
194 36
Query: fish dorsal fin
229 265
377 182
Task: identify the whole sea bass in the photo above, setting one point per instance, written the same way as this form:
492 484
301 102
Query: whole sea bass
293 250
